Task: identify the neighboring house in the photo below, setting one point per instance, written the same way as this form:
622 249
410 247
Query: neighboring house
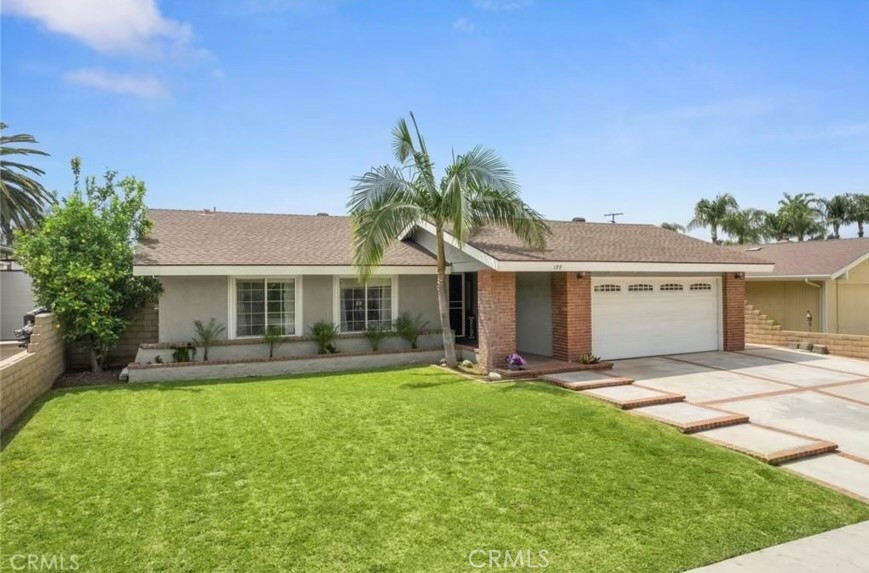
16 294
829 279
616 290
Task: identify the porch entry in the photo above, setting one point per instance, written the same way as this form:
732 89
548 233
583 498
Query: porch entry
462 297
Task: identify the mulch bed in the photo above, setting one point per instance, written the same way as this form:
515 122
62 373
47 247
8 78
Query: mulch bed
87 378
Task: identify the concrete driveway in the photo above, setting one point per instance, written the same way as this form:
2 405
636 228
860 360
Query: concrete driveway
798 406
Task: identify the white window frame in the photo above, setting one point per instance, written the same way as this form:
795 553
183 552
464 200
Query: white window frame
336 298
232 301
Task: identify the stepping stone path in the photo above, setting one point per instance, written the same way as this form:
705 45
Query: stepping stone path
728 429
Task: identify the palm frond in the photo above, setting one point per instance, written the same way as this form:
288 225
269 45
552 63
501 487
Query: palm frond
503 209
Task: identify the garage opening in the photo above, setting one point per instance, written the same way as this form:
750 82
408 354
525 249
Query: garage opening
649 316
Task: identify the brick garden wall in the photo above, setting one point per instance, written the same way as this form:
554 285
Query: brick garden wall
760 329
27 375
143 329
496 316
733 295
571 316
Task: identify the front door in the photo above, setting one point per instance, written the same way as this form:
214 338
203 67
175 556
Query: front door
456 299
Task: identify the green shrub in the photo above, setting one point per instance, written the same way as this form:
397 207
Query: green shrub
324 334
589 358
186 353
410 327
375 334
207 334
274 337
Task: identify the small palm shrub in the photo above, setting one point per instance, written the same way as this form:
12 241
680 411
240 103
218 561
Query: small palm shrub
589 358
409 327
206 334
273 337
324 334
184 353
375 334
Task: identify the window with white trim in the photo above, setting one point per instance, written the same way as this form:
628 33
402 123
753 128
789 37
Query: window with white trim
700 286
363 306
261 303
671 287
607 288
642 287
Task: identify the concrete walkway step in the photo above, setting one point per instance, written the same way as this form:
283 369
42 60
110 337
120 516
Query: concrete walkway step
586 380
844 474
689 418
628 397
770 446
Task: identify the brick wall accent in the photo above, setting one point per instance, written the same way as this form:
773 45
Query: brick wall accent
733 299
760 329
496 316
571 316
144 329
27 375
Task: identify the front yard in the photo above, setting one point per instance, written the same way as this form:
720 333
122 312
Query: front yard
402 470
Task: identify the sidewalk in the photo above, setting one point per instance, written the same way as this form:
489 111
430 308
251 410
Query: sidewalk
841 550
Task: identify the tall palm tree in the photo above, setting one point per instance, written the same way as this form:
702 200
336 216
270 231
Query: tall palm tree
23 199
859 211
476 189
775 227
673 227
836 211
802 218
712 213
746 225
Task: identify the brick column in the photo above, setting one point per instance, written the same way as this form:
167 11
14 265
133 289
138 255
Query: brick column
571 316
733 297
496 317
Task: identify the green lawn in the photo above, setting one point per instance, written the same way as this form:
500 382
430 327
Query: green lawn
403 470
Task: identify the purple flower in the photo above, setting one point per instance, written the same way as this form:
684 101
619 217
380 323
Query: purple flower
515 361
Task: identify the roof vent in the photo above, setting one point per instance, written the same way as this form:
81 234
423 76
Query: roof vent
321 214
579 219
211 211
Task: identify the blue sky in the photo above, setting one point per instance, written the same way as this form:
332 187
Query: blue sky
273 105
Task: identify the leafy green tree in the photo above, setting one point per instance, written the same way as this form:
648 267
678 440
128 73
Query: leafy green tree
802 218
712 213
836 211
476 189
81 261
23 199
745 225
673 227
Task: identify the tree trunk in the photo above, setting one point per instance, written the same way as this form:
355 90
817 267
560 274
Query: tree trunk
714 234
443 305
96 363
860 229
835 230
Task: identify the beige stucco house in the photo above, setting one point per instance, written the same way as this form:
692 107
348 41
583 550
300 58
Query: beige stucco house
829 280
618 290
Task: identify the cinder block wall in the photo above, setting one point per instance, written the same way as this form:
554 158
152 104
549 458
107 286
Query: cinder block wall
27 375
760 329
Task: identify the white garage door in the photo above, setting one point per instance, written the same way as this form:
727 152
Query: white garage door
651 316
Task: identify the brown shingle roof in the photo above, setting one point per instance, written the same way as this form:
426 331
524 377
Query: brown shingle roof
606 242
199 238
809 258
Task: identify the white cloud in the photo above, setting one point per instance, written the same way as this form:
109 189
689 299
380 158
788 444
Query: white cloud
108 26
139 85
463 25
502 5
